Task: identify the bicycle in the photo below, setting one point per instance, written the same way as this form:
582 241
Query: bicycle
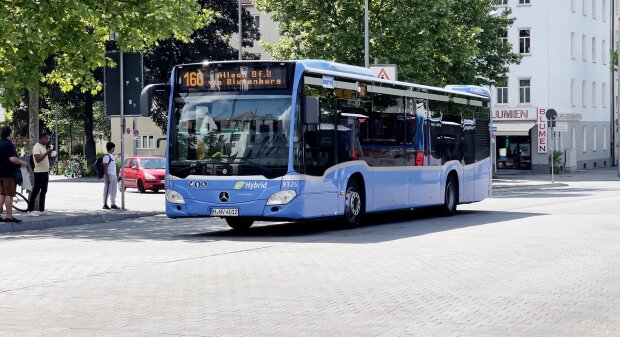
74 169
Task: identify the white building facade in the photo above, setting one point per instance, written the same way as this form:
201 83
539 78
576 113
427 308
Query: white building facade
565 66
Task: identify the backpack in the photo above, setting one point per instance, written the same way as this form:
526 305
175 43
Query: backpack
99 166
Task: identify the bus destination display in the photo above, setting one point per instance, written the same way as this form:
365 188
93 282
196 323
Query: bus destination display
238 78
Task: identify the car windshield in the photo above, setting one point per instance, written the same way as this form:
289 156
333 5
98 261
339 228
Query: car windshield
153 163
237 134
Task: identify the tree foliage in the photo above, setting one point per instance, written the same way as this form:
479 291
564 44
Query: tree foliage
211 42
434 42
74 34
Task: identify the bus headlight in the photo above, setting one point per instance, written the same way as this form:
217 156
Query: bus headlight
281 198
174 197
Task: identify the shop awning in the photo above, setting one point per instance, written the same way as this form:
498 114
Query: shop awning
513 129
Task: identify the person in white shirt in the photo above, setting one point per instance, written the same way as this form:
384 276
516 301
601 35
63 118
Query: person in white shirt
109 177
41 172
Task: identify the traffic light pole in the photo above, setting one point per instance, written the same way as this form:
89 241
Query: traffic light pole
122 132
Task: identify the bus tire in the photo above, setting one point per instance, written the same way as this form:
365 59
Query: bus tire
353 203
239 224
451 197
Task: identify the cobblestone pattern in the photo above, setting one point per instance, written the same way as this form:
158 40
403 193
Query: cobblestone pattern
526 266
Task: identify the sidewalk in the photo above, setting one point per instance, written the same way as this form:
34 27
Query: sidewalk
529 181
79 201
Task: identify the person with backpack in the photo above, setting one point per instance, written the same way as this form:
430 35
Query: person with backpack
108 171
41 167
9 163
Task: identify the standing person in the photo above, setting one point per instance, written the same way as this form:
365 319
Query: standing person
110 182
41 172
8 164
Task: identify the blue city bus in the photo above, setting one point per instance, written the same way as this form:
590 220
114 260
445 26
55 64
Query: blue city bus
310 139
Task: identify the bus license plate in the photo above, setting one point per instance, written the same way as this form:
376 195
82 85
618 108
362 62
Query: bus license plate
224 212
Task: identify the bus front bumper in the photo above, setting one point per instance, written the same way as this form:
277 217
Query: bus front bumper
303 206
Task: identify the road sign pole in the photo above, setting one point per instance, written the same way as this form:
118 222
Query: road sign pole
552 154
122 132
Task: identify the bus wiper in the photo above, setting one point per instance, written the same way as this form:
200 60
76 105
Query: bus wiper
253 164
191 167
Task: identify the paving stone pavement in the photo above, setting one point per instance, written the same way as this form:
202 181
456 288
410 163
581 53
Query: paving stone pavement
524 263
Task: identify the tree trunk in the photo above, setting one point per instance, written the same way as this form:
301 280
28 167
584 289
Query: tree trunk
89 149
33 118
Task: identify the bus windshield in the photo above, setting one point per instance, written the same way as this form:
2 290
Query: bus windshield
230 134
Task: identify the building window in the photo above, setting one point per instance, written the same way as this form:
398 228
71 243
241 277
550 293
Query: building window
583 7
604 138
593 9
572 6
503 35
593 50
502 2
524 41
524 91
594 94
594 138
147 142
604 51
604 10
574 138
572 92
583 47
583 94
585 139
604 95
502 92
524 2
257 21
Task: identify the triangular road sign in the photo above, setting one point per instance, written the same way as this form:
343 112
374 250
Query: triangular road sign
383 74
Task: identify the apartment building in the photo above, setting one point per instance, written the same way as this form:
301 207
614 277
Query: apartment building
565 46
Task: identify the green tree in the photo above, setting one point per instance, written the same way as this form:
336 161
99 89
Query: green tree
208 43
433 42
73 35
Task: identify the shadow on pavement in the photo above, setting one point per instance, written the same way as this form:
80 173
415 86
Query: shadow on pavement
379 228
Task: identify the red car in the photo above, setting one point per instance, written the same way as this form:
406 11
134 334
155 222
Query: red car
144 173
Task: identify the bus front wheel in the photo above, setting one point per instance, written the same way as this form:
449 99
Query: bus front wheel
239 224
353 203
451 196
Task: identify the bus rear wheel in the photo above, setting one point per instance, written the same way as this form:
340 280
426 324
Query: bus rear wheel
239 224
353 203
451 198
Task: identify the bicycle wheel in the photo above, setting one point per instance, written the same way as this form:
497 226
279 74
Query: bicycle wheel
20 202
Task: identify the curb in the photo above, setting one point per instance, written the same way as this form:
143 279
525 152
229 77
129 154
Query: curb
528 187
70 220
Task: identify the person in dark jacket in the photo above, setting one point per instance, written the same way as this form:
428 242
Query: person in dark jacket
8 164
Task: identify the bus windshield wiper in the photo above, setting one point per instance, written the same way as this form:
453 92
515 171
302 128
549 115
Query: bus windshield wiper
253 164
191 167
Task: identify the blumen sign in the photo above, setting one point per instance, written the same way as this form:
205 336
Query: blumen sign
542 131
514 114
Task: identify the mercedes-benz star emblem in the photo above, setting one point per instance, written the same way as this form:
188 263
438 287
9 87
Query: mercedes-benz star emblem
224 196
225 171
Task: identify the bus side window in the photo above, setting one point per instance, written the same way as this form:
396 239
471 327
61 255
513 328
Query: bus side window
435 128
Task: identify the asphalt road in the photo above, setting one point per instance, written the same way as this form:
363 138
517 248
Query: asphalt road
540 262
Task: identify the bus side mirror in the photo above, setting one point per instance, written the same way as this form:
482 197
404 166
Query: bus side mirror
311 110
159 141
146 97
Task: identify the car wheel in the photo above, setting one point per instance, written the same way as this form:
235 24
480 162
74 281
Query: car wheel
141 188
353 203
239 224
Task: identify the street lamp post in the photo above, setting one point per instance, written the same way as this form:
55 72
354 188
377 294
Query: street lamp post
366 45
240 32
